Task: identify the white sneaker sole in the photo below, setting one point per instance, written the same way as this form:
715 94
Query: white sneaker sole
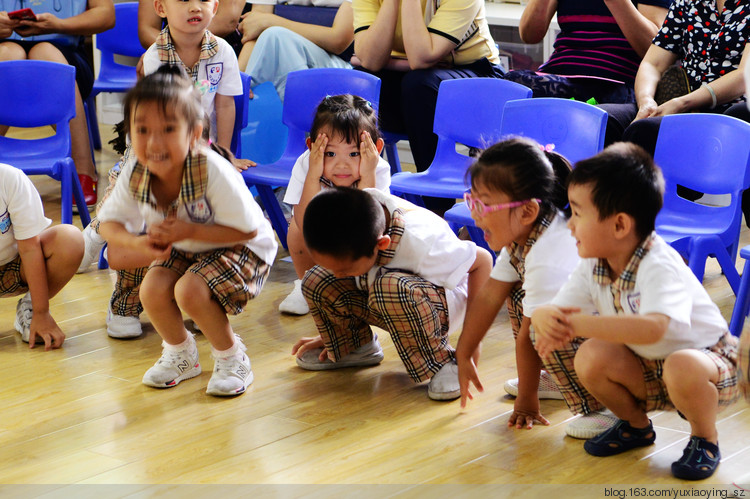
191 373
586 427
217 393
512 390
310 362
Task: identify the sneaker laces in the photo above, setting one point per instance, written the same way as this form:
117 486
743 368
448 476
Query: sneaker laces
171 357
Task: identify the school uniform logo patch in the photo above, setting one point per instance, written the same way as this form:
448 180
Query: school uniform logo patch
5 222
634 302
200 211
214 72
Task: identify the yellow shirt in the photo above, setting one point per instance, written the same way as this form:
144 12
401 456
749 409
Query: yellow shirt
461 21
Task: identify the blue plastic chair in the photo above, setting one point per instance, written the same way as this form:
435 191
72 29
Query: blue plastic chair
575 128
742 303
50 100
122 40
468 111
391 140
264 137
708 153
304 91
241 105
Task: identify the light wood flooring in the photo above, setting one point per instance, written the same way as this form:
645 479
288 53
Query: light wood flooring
80 415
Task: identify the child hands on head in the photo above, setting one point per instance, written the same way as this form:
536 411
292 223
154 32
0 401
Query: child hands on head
344 151
517 192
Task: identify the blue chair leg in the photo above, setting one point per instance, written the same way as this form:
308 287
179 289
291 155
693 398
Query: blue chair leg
93 123
391 152
103 263
271 204
739 313
72 190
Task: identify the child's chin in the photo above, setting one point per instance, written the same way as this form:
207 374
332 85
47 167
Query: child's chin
343 182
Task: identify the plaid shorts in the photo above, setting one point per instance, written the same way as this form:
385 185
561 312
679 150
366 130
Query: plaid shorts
125 299
11 283
723 354
234 275
413 310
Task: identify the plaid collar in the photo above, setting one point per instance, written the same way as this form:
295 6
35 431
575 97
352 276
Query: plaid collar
518 253
395 230
194 181
626 280
168 54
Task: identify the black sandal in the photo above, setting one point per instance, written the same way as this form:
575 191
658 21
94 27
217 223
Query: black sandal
620 438
699 460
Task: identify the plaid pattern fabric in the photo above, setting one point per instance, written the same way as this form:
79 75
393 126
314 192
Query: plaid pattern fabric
413 310
125 300
723 354
168 54
518 253
560 366
11 283
395 231
194 181
743 363
626 280
514 302
234 275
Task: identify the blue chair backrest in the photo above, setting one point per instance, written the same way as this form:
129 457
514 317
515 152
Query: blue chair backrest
241 104
470 110
705 152
306 88
47 98
123 38
576 129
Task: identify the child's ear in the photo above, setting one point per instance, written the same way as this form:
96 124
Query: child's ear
216 7
159 8
530 212
308 141
383 242
624 225
196 135
379 145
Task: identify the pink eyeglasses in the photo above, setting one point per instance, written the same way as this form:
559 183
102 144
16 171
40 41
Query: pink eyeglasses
476 205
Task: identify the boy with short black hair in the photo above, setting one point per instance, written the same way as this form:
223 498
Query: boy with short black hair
383 261
657 340
34 258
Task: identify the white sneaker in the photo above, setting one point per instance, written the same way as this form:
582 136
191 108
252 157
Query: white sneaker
366 355
23 319
444 385
547 387
232 375
93 246
173 367
591 424
295 302
121 326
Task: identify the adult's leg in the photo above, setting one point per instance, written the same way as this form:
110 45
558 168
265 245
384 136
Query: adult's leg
619 117
279 51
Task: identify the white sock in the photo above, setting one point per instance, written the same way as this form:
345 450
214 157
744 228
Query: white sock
236 348
188 343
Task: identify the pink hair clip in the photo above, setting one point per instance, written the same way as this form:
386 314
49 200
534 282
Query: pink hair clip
547 148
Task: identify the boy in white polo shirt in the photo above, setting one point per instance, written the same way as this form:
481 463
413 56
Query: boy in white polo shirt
656 339
383 261
34 258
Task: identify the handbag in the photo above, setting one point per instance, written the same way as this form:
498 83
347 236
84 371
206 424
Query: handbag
673 83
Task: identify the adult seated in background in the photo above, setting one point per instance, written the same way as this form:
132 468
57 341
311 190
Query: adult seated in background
224 23
709 41
57 35
275 46
412 46
598 49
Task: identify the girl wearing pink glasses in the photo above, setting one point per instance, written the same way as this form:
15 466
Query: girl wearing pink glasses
518 197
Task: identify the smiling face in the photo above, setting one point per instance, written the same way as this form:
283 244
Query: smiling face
187 16
593 236
341 160
161 140
500 227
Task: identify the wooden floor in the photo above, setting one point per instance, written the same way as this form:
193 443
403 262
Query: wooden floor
80 415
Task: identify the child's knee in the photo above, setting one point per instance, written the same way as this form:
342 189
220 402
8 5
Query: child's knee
591 359
156 287
686 368
191 292
65 240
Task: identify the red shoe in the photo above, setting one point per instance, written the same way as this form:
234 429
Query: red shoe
88 184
